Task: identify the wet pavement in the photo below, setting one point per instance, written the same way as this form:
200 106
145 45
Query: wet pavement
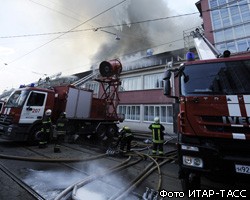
10 190
40 172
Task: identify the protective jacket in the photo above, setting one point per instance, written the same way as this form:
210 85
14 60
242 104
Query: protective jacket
157 131
46 127
61 126
125 138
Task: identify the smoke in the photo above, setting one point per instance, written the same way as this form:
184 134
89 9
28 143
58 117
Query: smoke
135 39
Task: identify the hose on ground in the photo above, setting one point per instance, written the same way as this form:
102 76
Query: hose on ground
32 159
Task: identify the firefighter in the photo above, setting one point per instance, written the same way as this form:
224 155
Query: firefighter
46 129
61 130
157 136
124 139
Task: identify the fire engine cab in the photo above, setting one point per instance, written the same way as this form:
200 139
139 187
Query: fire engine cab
212 105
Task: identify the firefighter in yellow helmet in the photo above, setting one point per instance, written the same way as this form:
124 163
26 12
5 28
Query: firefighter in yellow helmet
157 136
46 129
125 138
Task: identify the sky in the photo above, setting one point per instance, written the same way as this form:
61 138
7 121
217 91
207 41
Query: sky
40 38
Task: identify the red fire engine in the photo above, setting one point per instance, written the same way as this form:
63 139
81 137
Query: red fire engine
21 117
213 118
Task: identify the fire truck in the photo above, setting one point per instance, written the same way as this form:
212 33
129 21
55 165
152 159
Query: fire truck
212 106
22 114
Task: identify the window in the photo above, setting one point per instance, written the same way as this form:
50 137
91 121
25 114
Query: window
242 45
217 24
17 98
216 19
219 36
165 113
229 34
224 13
153 81
245 16
236 19
129 84
213 4
234 10
226 22
222 78
215 15
244 7
239 32
225 17
231 47
36 99
131 112
221 47
222 2
235 14
169 114
247 29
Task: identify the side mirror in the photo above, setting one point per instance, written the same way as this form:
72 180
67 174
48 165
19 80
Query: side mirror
167 75
166 79
167 88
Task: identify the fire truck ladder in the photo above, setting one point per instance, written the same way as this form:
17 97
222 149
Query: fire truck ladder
204 48
196 39
85 79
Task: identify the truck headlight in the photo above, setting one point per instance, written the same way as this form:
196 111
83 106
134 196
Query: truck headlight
189 148
192 161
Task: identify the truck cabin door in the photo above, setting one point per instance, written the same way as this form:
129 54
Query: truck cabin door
33 108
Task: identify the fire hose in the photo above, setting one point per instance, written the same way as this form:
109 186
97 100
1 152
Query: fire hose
32 159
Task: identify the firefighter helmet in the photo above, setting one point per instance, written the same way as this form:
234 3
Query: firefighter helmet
48 112
157 120
126 129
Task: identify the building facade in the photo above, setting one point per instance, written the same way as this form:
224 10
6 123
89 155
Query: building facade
141 92
226 23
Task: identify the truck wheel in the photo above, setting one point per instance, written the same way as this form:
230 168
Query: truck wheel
101 132
190 182
35 135
112 131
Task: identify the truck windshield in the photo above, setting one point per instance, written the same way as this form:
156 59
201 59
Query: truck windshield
17 98
223 78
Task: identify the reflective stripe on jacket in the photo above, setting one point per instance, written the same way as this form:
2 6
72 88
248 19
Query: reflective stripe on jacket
61 125
157 131
46 125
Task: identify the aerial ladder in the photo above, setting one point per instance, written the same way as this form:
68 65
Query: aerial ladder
204 48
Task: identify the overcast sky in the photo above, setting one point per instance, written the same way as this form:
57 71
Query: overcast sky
34 41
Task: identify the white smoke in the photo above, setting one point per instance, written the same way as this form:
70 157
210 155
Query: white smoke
137 38
120 15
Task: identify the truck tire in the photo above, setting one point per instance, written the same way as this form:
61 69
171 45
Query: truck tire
101 132
112 131
35 135
190 181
